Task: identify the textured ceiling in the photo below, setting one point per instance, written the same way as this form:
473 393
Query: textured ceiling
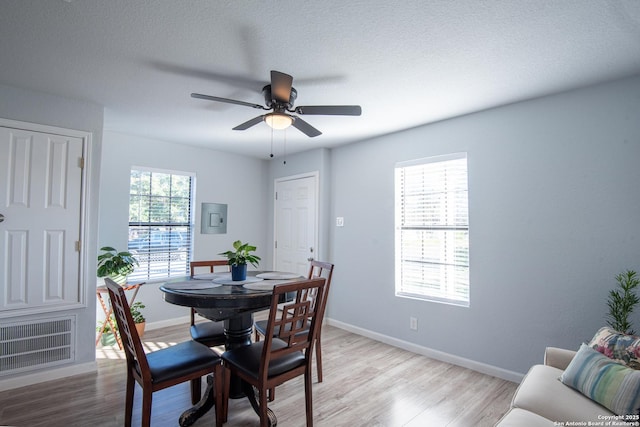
406 63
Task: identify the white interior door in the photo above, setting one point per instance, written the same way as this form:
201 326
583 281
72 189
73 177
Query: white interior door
296 223
40 201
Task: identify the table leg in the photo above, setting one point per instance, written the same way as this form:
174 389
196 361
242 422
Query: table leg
110 320
238 331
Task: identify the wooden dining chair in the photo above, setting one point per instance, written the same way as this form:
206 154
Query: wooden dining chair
316 269
286 350
186 361
209 333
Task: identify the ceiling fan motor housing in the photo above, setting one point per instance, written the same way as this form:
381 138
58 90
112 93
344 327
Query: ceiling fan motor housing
270 101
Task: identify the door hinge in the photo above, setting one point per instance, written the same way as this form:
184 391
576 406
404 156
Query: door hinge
81 162
276 244
77 245
276 195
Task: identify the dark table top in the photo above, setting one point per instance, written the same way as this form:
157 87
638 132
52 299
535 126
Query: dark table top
220 302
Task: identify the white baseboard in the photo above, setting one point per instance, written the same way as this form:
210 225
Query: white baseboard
431 353
67 371
48 375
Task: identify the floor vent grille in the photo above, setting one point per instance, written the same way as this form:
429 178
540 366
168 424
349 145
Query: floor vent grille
33 345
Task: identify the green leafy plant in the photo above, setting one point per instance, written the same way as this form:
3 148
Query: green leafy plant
135 308
137 315
112 263
622 301
107 327
241 255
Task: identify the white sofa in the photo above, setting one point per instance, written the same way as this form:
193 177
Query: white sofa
542 400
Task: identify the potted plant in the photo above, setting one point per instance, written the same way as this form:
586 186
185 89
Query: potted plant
622 301
108 335
115 265
238 259
138 317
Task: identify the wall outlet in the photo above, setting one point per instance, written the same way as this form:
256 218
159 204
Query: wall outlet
413 323
339 221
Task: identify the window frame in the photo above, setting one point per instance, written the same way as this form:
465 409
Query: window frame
451 284
143 273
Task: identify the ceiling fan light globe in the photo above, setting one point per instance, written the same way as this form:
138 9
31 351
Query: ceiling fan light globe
278 121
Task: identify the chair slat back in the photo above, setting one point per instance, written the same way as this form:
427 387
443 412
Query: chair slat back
212 264
131 342
322 269
297 323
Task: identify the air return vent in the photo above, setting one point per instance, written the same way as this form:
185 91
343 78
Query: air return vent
27 346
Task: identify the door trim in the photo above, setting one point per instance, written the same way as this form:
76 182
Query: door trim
316 176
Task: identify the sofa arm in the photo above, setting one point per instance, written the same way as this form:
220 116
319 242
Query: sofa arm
558 357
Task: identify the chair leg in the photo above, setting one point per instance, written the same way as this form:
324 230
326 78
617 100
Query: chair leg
264 418
225 397
219 385
319 359
272 394
257 335
196 390
128 405
308 401
147 397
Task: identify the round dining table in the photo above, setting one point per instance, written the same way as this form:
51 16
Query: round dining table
216 297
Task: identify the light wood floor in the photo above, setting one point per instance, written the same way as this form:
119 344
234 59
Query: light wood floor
366 383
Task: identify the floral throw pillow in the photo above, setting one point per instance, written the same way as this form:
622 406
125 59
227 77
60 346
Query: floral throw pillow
619 347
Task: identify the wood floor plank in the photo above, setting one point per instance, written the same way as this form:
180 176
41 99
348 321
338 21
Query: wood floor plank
366 383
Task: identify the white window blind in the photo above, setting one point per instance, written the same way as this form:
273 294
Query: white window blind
160 223
432 229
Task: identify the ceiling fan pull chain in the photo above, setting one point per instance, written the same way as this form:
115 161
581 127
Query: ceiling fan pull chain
285 148
271 155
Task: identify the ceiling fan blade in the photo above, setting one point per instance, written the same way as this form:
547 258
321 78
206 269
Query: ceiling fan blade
330 110
234 79
281 86
227 100
246 125
305 127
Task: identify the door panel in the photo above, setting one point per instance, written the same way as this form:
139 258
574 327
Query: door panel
296 223
40 198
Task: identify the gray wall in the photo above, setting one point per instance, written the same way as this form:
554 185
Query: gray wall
318 160
554 210
227 178
41 108
554 205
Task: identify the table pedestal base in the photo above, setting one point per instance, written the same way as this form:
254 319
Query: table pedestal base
238 331
250 392
207 402
192 414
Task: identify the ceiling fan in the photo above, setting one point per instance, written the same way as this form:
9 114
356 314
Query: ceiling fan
280 96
